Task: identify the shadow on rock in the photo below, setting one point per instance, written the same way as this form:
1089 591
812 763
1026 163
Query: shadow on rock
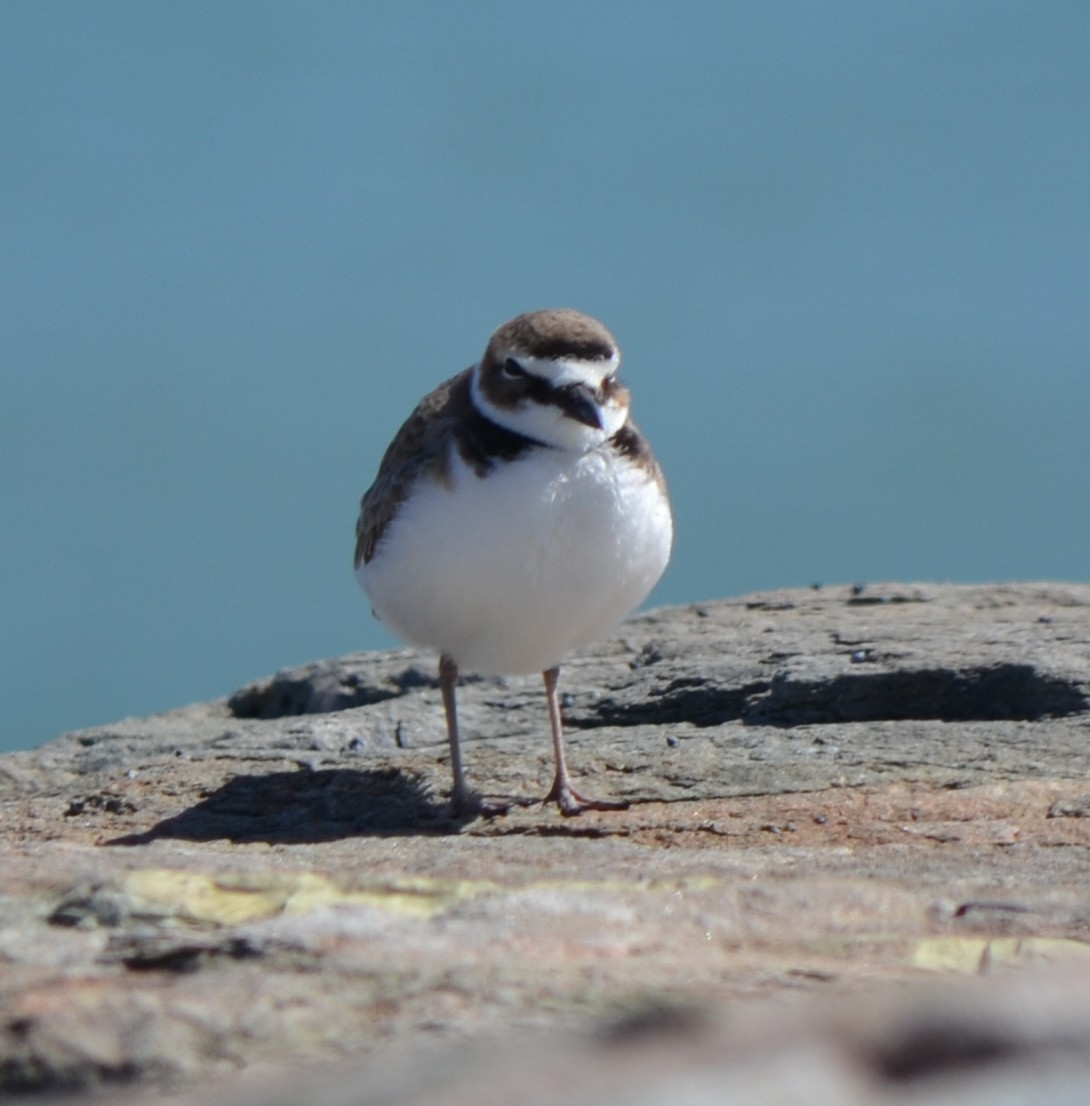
293 808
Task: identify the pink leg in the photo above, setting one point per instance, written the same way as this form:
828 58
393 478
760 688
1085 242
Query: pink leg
462 799
566 797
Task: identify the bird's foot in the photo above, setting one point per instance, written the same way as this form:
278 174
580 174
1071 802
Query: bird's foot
486 806
571 802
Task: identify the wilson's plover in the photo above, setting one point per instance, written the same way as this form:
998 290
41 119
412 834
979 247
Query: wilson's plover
516 515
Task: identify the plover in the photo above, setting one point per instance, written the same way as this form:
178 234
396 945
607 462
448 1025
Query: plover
518 514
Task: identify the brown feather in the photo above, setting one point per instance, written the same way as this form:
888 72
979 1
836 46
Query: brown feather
421 447
630 443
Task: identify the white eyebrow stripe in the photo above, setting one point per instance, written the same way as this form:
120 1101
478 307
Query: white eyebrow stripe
561 372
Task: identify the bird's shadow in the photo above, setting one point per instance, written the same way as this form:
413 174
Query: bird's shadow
307 807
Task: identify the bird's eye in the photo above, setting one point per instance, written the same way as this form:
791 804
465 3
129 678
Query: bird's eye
512 369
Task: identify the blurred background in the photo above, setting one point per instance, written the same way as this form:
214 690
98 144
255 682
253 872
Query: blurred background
844 247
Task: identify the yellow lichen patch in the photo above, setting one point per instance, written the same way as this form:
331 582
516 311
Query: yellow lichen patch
416 896
976 955
235 898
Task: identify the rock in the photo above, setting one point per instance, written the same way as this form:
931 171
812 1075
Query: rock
831 789
1002 1041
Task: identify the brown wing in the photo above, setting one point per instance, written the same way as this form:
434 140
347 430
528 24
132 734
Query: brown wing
632 444
421 447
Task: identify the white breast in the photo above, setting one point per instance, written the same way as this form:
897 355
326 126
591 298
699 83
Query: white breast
509 572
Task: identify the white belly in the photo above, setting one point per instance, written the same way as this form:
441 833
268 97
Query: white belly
508 573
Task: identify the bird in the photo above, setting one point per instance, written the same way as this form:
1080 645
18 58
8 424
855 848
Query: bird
517 514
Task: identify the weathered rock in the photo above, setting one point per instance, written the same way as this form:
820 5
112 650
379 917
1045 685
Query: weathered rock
1023 1040
830 789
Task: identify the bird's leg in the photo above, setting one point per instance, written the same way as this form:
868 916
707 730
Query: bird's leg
463 800
567 798
461 797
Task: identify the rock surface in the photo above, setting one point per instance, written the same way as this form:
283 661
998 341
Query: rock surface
831 790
